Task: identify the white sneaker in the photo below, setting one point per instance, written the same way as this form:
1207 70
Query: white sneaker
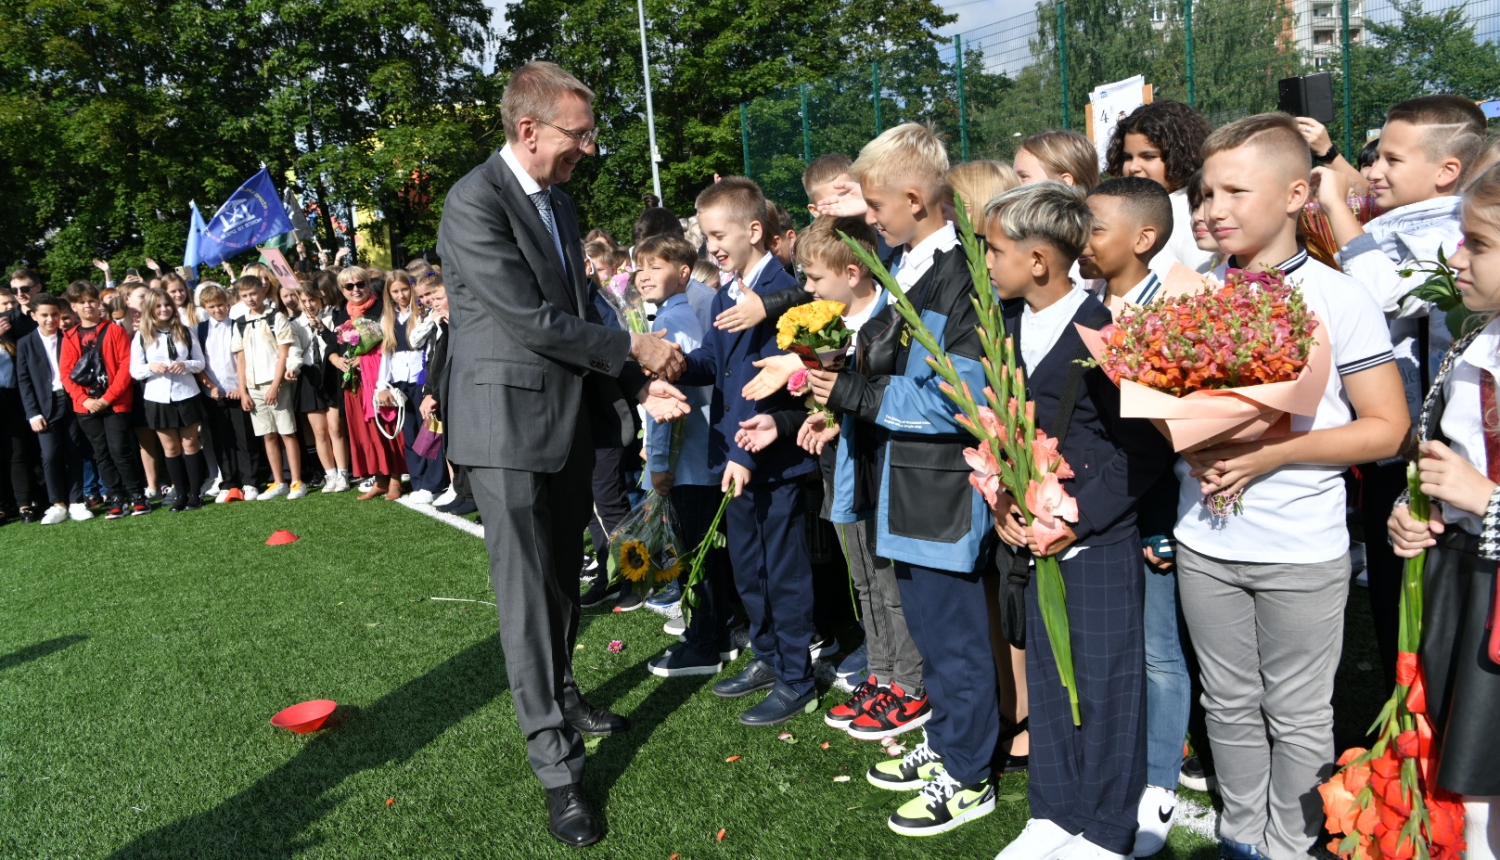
297 491
447 497
55 514
152 495
331 483
1157 809
211 488
79 511
275 491
168 495
1041 840
674 627
1082 849
222 497
250 492
366 485
420 497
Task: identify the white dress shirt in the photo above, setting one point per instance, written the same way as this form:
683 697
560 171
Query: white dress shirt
218 350
166 387
1040 330
915 262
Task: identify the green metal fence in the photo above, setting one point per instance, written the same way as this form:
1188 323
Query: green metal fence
988 88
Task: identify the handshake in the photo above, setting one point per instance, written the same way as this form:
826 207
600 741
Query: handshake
664 361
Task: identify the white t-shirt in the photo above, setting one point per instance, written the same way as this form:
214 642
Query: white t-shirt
1295 515
854 322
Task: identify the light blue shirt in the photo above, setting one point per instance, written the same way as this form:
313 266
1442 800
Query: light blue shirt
701 297
8 369
681 322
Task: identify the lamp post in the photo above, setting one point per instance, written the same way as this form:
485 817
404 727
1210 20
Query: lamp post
640 6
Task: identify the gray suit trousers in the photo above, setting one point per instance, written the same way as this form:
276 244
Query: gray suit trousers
533 529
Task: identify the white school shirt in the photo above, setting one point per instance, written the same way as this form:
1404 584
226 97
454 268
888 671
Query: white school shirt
1461 422
737 288
313 348
219 353
916 261
1295 514
402 365
1181 247
854 322
50 345
166 387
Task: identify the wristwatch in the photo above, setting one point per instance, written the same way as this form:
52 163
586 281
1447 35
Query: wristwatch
1327 157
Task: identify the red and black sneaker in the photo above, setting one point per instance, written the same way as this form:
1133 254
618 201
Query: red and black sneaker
116 509
840 716
889 715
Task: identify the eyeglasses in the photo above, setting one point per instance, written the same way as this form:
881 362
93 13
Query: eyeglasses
355 285
584 138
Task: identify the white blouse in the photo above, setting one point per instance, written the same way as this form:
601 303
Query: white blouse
166 387
1461 422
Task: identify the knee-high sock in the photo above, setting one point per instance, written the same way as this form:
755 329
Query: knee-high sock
197 473
177 474
1480 828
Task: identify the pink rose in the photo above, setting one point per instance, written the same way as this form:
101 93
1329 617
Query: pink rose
797 382
1050 507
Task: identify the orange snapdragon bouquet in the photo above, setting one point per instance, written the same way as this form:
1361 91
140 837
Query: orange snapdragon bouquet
1230 363
1385 800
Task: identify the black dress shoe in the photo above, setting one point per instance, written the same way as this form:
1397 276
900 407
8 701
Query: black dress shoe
590 720
780 705
459 507
759 675
569 818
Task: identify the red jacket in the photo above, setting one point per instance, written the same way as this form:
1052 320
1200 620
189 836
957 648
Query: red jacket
120 394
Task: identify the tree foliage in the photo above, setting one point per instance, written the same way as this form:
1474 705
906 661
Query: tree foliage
114 114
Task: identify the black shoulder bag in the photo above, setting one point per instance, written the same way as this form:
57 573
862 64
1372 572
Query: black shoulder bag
89 372
1016 566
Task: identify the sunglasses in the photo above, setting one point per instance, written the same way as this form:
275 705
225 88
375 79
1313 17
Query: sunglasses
356 285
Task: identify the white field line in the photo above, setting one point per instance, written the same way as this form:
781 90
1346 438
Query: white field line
457 522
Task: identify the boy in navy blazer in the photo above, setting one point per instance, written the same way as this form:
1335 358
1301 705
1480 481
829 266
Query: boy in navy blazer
1085 780
766 521
49 411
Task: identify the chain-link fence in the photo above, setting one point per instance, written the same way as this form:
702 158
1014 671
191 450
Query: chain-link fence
987 89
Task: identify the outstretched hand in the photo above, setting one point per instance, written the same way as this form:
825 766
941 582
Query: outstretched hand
775 370
747 313
756 433
659 356
847 201
663 401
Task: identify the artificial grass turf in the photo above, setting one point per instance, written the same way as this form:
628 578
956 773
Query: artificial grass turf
142 660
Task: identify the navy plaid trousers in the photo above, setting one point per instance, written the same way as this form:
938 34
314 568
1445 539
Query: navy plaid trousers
1088 779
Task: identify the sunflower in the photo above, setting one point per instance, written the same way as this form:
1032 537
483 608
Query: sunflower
670 573
635 561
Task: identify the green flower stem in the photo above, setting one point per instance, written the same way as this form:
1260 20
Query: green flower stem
711 540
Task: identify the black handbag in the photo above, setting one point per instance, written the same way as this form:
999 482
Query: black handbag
1015 567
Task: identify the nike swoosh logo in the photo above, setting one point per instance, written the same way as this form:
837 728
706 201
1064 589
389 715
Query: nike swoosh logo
1165 814
975 802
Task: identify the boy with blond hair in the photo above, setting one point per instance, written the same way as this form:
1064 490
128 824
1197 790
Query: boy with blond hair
766 521
1263 591
930 522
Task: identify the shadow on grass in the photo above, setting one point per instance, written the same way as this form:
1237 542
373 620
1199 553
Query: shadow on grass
268 818
608 761
39 650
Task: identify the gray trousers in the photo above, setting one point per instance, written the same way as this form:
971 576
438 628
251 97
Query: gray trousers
893 656
1269 638
533 530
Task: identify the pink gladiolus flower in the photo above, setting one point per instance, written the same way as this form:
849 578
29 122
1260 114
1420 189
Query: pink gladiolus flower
797 382
1048 458
1050 506
986 475
990 422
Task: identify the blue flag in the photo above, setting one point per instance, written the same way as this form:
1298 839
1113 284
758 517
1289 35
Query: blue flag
196 228
252 215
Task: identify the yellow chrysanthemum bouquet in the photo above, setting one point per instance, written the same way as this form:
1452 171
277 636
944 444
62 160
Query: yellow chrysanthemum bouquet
815 333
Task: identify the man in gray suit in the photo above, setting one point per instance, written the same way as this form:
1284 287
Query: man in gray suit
530 358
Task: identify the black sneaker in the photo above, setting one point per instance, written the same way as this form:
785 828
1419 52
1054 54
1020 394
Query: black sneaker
590 567
459 507
139 506
193 504
631 598
94 502
678 662
117 509
598 591
29 515
1196 777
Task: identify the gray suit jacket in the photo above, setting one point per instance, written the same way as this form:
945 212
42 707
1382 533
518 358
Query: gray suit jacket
528 347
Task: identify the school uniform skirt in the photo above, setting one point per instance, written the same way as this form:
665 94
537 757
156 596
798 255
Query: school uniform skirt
312 391
1463 684
173 416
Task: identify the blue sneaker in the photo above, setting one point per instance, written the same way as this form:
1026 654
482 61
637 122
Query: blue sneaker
666 599
1238 851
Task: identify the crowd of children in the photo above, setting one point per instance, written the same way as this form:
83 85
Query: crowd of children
114 396
1166 602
